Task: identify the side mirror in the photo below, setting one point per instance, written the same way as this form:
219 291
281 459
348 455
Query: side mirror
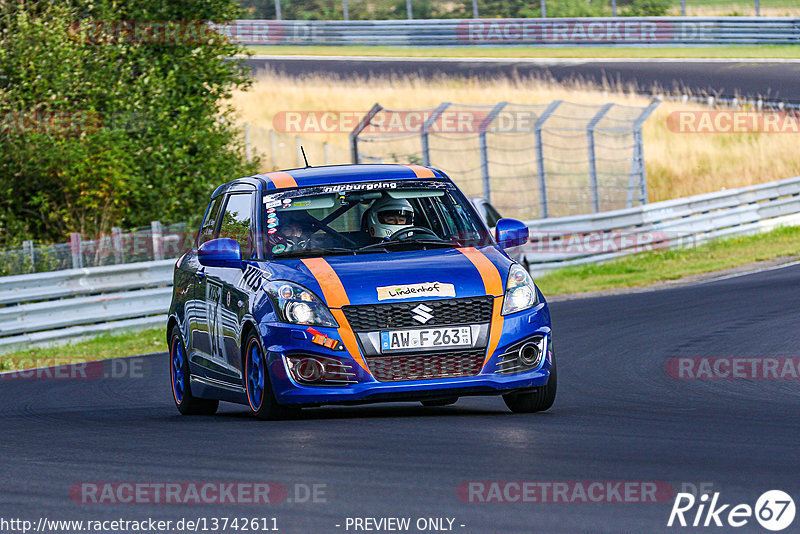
510 233
222 252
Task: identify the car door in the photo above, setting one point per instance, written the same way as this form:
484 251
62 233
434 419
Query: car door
225 301
197 313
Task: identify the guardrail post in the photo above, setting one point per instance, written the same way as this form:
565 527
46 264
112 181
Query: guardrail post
543 6
593 185
637 161
613 8
116 245
277 9
426 149
487 186
345 10
27 253
158 240
363 123
75 248
540 170
474 9
683 8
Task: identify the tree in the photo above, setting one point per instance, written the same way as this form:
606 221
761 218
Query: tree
113 113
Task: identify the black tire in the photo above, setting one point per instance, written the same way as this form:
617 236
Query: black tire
536 399
261 399
186 403
439 402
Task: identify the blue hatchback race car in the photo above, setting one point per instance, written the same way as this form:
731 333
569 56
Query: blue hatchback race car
354 284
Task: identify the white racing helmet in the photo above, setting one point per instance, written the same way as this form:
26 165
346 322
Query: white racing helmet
387 216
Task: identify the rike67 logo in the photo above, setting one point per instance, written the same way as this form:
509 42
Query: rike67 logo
774 510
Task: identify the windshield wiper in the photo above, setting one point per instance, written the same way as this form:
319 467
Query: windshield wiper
405 242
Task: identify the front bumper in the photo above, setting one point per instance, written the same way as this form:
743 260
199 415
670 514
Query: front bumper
282 340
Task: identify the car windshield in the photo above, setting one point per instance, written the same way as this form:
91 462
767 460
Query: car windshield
368 217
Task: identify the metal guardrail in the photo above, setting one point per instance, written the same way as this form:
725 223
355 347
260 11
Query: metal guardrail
625 31
155 242
576 240
58 306
65 305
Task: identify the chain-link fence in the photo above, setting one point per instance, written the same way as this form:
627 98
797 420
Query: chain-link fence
281 150
529 160
156 242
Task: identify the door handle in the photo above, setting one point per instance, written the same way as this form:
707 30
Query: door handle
201 274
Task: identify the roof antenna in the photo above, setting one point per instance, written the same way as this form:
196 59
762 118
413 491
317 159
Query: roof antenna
303 150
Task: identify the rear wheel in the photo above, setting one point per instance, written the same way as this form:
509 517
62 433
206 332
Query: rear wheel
536 399
257 384
186 403
440 402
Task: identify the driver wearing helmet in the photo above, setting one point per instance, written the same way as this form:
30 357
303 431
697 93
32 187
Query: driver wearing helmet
387 216
292 233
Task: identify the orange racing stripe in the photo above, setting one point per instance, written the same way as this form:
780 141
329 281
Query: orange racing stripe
336 297
421 172
281 179
493 283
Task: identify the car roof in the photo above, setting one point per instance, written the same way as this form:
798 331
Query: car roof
333 175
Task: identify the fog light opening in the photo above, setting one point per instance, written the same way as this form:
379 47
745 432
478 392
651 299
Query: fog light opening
530 354
309 370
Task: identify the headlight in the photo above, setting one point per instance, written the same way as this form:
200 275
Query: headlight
297 305
521 292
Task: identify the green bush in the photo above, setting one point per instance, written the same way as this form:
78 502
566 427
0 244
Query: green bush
647 8
102 128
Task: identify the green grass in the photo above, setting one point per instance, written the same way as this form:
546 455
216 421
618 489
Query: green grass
99 348
781 52
653 267
634 271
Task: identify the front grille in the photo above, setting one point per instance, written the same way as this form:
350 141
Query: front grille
423 366
446 312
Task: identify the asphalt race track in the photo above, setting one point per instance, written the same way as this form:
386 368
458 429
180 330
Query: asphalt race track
619 417
771 80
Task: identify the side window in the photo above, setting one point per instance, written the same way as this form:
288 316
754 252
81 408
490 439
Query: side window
236 221
492 216
210 222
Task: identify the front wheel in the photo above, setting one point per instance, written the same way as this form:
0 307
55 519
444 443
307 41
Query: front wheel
537 399
257 384
186 403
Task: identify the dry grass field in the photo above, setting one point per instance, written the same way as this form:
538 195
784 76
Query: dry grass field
678 164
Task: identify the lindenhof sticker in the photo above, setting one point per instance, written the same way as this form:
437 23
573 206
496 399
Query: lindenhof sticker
425 289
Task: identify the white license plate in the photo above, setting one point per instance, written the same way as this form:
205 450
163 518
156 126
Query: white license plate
453 336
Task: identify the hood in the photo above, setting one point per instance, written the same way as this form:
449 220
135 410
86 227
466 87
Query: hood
400 276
